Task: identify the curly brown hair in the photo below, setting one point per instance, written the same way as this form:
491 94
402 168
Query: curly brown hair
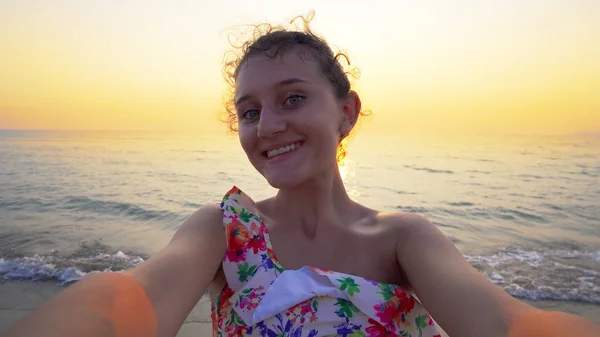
273 40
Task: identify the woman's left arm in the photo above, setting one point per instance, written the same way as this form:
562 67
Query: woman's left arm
461 299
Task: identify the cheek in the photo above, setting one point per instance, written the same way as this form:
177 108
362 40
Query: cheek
246 139
329 127
325 136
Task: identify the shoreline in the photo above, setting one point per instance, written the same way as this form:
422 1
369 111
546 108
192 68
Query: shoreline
18 298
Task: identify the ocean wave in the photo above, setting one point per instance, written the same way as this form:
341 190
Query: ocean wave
64 270
512 214
85 204
469 210
428 169
413 209
75 205
444 224
478 171
529 176
394 190
533 258
534 275
461 204
549 293
484 160
544 275
192 205
26 204
552 206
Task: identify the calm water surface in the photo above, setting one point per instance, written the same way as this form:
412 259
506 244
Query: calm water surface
524 210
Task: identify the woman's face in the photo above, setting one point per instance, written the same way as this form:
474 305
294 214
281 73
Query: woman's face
289 118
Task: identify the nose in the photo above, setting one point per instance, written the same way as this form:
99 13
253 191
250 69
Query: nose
270 123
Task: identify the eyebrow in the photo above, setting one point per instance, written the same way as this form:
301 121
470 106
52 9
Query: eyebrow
278 84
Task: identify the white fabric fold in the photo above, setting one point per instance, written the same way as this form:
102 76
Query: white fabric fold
293 287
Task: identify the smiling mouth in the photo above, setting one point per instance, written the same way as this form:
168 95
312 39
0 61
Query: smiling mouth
284 149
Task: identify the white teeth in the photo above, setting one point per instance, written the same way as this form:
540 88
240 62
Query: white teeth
283 149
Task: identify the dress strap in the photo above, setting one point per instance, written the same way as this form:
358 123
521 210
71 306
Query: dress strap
245 233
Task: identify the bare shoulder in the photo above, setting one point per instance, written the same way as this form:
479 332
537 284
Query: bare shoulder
415 234
458 296
207 220
407 225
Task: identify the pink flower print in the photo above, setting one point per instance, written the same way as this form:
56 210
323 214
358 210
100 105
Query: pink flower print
387 312
429 319
377 330
305 310
250 301
406 302
234 255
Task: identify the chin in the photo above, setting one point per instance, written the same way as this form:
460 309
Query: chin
283 181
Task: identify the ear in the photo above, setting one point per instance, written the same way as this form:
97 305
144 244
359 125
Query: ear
351 106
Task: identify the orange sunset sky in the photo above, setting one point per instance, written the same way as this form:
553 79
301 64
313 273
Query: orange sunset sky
437 66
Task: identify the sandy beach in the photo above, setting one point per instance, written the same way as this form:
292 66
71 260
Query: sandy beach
18 298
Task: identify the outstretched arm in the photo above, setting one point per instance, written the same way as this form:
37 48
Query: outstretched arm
150 300
99 305
462 300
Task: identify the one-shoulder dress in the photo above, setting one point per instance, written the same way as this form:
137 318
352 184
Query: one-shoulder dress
261 298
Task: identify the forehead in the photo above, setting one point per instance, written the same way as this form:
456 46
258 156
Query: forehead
261 71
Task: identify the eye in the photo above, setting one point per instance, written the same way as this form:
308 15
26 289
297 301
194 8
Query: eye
294 100
251 114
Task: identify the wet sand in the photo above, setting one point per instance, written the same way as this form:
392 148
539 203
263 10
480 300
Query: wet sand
17 299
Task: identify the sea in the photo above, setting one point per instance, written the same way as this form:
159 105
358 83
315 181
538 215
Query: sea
524 210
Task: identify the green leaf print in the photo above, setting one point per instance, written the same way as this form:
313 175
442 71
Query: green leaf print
421 321
347 308
245 271
315 305
245 216
278 266
238 319
357 333
232 209
348 283
387 291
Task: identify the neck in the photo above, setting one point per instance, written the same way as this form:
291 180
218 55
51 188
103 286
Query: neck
320 202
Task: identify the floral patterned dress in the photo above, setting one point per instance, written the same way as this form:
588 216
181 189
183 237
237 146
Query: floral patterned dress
261 298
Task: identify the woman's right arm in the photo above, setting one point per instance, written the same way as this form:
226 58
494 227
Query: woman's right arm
176 278
151 299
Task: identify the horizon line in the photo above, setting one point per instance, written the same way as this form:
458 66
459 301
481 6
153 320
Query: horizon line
226 131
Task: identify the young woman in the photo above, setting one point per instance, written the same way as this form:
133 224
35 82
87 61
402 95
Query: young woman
309 261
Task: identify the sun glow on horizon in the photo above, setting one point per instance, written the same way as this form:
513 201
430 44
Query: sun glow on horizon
147 65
